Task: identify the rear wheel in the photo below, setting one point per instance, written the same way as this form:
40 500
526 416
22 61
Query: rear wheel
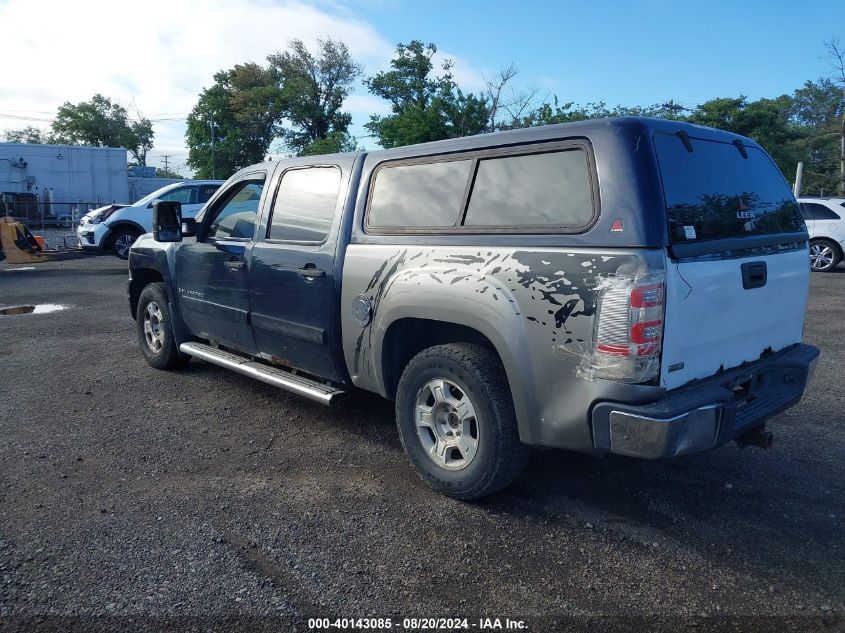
824 255
457 423
122 242
155 330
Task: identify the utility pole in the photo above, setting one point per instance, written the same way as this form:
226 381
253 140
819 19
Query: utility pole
213 171
165 157
799 179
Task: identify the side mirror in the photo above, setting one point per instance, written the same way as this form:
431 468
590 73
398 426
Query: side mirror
167 221
189 227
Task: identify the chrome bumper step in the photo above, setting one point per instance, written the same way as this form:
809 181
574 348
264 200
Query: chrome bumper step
307 387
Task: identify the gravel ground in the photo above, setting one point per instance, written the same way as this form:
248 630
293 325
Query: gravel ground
58 238
133 499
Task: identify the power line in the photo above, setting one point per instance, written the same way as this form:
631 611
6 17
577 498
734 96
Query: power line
26 117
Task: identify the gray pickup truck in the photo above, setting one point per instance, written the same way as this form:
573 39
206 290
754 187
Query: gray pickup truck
631 286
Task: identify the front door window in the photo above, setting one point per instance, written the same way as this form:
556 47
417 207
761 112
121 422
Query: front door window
235 218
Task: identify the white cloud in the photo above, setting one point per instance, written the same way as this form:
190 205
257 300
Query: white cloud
158 55
469 78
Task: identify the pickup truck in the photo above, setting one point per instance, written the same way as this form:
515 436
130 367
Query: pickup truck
632 286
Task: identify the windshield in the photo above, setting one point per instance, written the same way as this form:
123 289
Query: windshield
155 195
715 193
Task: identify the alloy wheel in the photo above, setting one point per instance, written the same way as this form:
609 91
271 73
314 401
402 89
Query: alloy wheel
153 332
123 243
446 424
821 256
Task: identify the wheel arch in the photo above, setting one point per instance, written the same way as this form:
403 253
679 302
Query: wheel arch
141 278
409 332
122 225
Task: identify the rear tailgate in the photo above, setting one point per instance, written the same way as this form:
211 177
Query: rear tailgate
736 286
713 323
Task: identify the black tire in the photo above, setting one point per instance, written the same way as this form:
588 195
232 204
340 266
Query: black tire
159 349
119 240
478 373
825 255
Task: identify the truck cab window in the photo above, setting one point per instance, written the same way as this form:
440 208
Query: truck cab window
305 205
236 215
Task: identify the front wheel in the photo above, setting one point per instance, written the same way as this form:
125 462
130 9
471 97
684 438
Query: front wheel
155 329
122 242
457 423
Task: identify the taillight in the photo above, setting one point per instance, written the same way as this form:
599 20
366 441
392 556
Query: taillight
629 329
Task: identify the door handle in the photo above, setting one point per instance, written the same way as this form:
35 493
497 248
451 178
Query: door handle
234 264
310 271
754 275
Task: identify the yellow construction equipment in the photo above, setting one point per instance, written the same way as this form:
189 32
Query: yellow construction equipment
19 246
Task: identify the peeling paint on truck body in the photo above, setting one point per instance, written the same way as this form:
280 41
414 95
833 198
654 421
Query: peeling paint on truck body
538 317
533 296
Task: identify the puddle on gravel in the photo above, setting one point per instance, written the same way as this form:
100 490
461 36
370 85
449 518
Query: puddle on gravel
41 308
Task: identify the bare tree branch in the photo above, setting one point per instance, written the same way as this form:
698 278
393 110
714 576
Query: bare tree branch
836 53
495 87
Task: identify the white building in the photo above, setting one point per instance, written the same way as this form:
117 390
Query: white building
70 178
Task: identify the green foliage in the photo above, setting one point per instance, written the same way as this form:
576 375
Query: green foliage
334 143
168 173
313 89
425 107
29 134
102 123
817 108
244 106
249 103
298 98
767 121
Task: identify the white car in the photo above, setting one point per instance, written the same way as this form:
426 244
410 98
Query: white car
825 218
115 228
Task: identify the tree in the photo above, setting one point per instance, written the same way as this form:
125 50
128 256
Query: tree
312 90
234 121
837 57
102 123
816 109
29 134
334 143
168 173
767 121
424 107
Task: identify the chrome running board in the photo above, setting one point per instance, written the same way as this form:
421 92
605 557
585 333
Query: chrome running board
306 387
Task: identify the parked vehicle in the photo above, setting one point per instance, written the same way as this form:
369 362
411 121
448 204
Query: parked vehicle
631 286
825 218
115 227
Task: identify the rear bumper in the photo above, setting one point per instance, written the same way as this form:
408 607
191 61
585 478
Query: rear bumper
706 413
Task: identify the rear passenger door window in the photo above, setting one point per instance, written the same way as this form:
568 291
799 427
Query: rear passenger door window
305 205
205 192
419 195
816 211
550 189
